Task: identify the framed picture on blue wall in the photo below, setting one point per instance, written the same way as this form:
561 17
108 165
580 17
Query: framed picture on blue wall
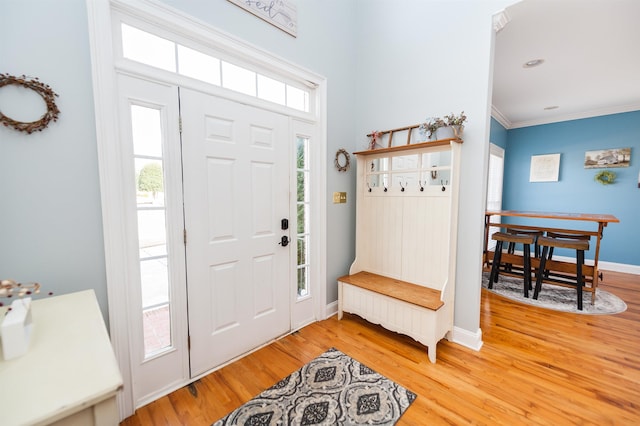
605 158
544 168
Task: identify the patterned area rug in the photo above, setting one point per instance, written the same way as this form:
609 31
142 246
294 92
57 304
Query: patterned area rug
333 389
556 297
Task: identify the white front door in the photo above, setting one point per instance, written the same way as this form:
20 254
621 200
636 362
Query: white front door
236 164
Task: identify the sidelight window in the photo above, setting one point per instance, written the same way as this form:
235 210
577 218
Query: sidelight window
303 205
152 230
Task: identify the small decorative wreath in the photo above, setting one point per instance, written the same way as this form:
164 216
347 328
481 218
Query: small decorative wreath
48 95
342 160
605 177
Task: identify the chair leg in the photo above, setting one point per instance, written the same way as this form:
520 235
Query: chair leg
546 274
541 272
493 277
579 281
511 248
527 269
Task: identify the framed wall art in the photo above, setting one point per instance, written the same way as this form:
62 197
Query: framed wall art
544 168
279 13
615 157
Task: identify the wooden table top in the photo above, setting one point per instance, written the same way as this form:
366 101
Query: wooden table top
589 217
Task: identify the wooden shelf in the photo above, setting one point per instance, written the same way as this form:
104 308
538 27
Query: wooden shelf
407 147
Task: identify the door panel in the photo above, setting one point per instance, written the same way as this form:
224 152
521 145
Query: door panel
154 226
236 191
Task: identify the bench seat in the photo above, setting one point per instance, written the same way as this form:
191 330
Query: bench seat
414 310
416 294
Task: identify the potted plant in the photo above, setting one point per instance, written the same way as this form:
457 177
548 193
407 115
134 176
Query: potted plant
456 122
430 126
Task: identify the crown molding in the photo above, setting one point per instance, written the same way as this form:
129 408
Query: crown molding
500 117
507 124
500 20
576 116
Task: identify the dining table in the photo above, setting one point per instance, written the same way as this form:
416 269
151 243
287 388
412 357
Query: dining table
589 224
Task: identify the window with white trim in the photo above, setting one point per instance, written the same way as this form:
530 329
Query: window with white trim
150 49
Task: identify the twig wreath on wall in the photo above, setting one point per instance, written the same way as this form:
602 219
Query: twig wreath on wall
47 94
342 161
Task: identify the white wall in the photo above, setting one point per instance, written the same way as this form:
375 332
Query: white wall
429 58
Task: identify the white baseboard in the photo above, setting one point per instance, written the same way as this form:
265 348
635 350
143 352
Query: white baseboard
466 338
619 267
331 309
602 266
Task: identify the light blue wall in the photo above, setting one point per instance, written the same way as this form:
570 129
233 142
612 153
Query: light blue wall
388 64
498 135
576 190
50 218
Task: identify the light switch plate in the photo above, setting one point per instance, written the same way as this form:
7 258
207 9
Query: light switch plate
339 197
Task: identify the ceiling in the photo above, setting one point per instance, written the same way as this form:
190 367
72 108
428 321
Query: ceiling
591 53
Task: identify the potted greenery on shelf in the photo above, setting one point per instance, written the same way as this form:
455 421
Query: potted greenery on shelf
456 122
429 128
449 126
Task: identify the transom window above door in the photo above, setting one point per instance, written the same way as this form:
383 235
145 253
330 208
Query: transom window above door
150 49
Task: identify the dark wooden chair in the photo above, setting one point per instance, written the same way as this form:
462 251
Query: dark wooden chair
526 241
547 243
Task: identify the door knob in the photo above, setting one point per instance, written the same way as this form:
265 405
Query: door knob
284 241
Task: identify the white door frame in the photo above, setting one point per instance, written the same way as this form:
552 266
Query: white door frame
104 65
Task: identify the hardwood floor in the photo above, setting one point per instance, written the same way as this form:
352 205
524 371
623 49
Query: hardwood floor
536 367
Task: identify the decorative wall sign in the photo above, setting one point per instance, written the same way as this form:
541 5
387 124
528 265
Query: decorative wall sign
48 95
544 168
604 158
280 13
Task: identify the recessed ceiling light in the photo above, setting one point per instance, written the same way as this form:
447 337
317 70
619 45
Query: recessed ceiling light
551 107
532 63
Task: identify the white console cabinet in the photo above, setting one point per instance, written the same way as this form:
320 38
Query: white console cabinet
69 375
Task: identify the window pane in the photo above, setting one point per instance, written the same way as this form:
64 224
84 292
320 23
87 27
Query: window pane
198 65
300 183
302 250
154 276
239 79
146 131
152 235
271 90
149 183
303 218
303 282
302 153
157 329
147 48
297 98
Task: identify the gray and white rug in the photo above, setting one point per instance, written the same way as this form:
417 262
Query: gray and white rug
556 297
333 389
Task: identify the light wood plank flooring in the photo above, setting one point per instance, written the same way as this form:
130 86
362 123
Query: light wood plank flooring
536 367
